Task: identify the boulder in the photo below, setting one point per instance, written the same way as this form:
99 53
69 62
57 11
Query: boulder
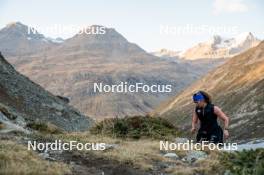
171 156
194 155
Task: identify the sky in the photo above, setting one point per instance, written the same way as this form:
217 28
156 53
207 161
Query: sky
152 24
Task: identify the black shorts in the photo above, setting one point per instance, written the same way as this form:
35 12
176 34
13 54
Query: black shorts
215 136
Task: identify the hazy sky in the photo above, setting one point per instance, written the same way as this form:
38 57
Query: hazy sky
143 21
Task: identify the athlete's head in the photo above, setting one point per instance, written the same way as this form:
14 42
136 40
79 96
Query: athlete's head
201 98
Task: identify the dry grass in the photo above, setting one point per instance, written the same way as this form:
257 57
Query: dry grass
144 154
16 159
210 165
139 153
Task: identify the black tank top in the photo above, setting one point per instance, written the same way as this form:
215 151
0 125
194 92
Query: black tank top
207 117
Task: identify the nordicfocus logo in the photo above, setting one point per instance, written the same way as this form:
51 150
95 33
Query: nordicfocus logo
62 29
124 87
58 145
191 145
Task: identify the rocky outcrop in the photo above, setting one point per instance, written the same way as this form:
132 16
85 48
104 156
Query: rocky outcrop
20 98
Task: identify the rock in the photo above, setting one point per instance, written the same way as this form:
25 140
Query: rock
227 172
171 156
10 126
6 111
59 113
163 165
193 155
55 152
50 154
44 155
65 99
57 106
181 140
110 146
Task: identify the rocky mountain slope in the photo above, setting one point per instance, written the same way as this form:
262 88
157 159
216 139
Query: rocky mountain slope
22 102
71 68
237 87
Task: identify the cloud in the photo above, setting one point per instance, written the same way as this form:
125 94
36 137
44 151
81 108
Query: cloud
229 6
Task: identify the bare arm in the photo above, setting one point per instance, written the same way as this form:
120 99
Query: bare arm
194 119
222 116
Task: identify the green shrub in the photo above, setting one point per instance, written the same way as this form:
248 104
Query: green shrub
250 162
136 127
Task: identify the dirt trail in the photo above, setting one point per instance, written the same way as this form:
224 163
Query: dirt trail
88 163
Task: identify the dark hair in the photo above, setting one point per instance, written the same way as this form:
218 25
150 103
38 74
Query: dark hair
207 97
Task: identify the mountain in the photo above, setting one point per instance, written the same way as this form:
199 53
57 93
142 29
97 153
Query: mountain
71 68
237 87
219 47
109 41
23 101
18 39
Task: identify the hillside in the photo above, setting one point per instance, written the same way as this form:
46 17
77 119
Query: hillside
237 87
23 102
